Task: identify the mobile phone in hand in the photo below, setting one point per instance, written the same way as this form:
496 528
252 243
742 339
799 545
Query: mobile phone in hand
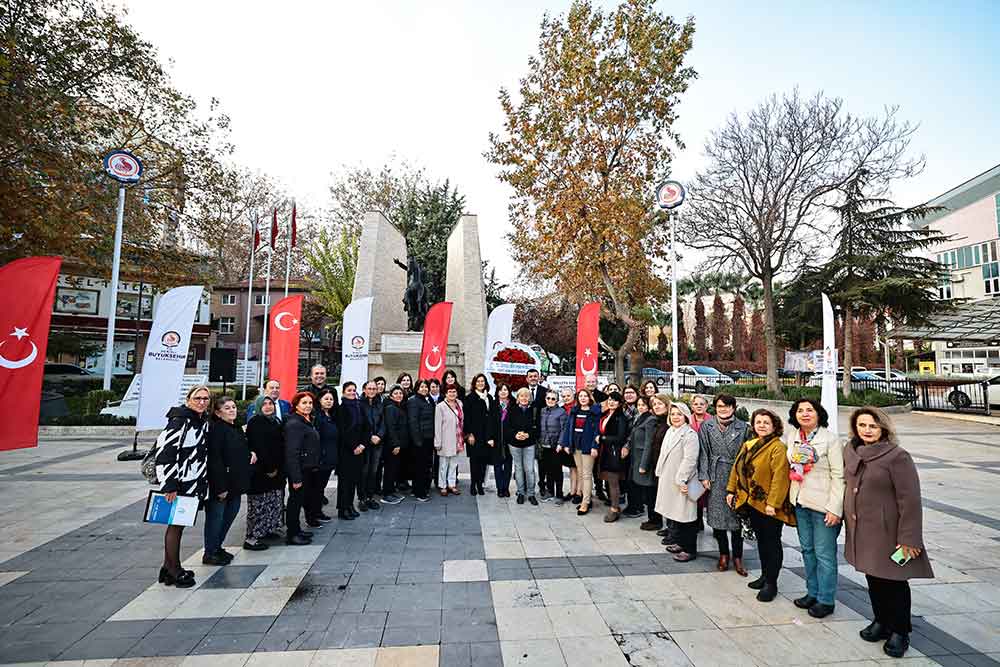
899 557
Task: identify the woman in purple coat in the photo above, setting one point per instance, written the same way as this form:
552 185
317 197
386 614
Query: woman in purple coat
884 522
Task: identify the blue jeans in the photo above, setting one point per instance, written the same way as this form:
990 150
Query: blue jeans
219 516
819 553
524 469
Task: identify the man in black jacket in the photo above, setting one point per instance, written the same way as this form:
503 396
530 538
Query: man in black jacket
371 407
317 375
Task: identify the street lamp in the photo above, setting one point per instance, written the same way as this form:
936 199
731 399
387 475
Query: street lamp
669 196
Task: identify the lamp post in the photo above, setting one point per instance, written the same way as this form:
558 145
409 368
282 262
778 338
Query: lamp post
669 196
125 168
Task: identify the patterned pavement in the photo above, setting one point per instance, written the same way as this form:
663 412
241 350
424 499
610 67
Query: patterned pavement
462 580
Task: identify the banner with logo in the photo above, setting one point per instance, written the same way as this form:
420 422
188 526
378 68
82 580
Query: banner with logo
498 332
25 314
587 330
829 395
357 331
434 348
283 363
166 355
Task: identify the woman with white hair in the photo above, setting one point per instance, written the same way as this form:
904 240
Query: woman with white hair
676 466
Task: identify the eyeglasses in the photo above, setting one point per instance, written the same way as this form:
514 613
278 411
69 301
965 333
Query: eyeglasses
200 398
550 398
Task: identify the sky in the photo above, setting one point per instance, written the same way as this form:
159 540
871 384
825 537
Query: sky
314 86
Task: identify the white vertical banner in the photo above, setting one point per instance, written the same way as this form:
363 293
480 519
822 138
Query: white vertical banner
498 331
357 331
166 355
829 395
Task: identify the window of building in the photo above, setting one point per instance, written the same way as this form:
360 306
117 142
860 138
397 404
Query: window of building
228 299
258 300
996 200
975 252
227 325
944 289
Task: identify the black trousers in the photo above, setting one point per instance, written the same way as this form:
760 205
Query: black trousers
686 534
391 465
371 457
315 489
890 603
723 539
293 507
477 466
649 498
348 472
420 458
551 474
768 530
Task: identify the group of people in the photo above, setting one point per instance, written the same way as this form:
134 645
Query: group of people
634 447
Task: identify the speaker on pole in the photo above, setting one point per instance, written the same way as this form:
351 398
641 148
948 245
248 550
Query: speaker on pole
222 364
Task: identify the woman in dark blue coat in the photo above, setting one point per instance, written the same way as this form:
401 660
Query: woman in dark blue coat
580 437
329 440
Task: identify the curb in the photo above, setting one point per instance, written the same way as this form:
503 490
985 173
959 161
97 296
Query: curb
961 417
105 431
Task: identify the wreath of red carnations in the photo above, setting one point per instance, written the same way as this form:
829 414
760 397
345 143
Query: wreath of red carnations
513 356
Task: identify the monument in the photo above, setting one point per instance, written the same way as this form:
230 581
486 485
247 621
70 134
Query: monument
400 304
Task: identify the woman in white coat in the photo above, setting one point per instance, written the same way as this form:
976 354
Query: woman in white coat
676 466
449 423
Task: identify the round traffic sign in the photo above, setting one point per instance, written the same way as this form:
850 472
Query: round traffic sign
123 166
670 195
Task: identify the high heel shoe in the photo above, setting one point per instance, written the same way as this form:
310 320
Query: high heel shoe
180 580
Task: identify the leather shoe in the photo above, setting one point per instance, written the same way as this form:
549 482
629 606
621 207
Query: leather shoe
767 593
820 610
738 566
804 602
214 559
298 540
683 557
345 515
723 564
757 583
649 525
306 534
662 532
675 548
896 645
875 632
255 546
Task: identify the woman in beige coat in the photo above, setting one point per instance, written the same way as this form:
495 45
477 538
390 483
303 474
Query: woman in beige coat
816 462
883 515
449 422
676 466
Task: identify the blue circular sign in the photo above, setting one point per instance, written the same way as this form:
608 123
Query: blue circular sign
670 194
123 166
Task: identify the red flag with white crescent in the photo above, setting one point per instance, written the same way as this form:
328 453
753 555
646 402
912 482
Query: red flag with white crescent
274 227
293 236
587 330
283 351
435 345
25 314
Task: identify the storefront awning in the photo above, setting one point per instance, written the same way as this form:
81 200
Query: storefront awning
975 323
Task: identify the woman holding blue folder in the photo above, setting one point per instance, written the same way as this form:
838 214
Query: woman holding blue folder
182 465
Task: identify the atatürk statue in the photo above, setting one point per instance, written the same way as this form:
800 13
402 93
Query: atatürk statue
415 297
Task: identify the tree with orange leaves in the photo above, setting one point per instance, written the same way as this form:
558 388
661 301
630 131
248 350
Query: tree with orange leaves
586 140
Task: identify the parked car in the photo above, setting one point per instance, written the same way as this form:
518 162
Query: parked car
67 373
748 377
893 374
700 378
660 377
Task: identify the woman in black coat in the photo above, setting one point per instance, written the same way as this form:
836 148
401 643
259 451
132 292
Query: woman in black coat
612 437
477 428
420 416
396 443
329 441
355 436
229 460
266 497
302 450
500 455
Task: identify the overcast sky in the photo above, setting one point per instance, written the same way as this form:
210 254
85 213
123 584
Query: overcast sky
311 86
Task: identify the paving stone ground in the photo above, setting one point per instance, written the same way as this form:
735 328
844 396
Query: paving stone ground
462 581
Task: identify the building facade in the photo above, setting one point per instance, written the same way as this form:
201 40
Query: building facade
971 216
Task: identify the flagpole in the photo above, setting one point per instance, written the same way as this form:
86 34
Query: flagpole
288 260
246 339
267 315
673 303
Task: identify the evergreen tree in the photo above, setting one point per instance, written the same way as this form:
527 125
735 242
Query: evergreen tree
700 334
758 346
739 328
879 269
720 328
682 341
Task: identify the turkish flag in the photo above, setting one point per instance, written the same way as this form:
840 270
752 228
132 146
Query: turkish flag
587 327
293 236
435 345
274 227
284 333
256 235
25 312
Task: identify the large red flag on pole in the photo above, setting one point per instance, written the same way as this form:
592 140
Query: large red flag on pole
256 237
435 344
274 227
293 239
587 329
25 314
285 321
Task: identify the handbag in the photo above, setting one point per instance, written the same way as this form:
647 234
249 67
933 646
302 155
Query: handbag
695 489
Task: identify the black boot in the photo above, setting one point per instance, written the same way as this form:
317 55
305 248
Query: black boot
757 583
875 632
897 645
768 592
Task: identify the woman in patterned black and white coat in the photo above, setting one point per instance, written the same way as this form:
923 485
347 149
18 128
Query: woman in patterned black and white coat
182 468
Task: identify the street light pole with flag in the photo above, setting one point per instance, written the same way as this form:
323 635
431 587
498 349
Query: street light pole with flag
267 297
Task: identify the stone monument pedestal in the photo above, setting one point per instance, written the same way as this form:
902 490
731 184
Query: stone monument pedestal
399 352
